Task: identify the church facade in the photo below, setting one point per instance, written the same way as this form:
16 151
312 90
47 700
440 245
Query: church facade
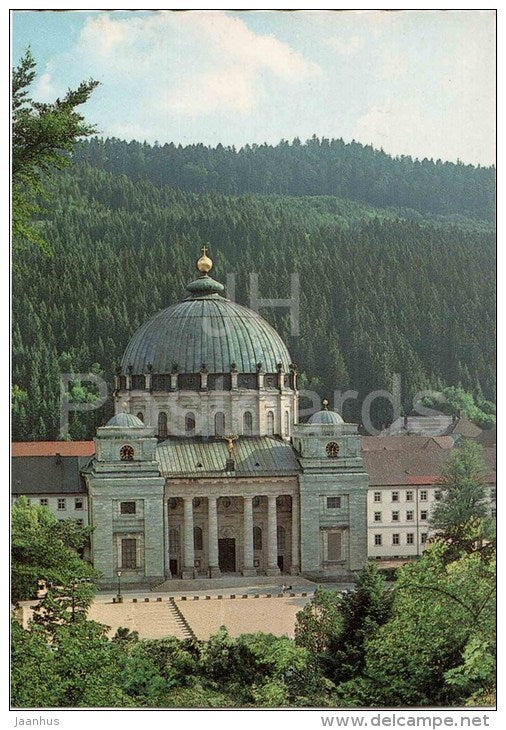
205 470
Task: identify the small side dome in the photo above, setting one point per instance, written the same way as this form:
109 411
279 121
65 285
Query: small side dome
326 417
125 420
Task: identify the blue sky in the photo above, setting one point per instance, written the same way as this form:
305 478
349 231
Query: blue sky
413 82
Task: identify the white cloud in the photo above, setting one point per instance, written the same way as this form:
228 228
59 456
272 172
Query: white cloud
394 65
344 47
411 128
45 89
192 63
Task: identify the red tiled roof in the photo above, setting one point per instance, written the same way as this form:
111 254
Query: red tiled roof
406 443
389 467
51 448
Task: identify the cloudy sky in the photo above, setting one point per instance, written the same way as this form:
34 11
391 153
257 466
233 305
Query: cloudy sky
413 82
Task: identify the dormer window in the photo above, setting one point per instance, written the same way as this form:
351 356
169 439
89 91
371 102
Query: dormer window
126 453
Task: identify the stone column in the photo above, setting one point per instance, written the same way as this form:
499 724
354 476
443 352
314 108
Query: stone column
189 553
212 518
295 567
272 536
248 568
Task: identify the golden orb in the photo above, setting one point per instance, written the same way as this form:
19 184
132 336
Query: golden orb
204 264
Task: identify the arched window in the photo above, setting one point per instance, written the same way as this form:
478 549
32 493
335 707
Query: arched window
140 416
281 538
287 423
270 423
247 424
162 425
219 423
189 424
257 538
126 453
197 538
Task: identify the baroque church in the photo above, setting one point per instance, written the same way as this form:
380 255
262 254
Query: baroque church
205 469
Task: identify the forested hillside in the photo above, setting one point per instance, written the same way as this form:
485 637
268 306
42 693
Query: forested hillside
382 290
318 167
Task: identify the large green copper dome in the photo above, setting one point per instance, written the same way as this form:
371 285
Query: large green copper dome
205 328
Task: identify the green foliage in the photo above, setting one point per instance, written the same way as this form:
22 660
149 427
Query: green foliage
42 137
34 676
460 516
442 628
457 400
335 627
43 549
378 288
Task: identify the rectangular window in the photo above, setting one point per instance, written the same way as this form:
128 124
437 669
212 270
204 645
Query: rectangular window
409 515
377 516
127 508
333 502
61 503
395 496
409 496
43 502
410 538
395 516
129 553
377 496
78 503
423 495
395 538
377 539
334 545
423 514
423 538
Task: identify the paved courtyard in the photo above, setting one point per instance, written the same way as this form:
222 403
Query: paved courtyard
242 608
243 615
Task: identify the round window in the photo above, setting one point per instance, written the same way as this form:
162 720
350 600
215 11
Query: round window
226 502
332 449
173 503
196 502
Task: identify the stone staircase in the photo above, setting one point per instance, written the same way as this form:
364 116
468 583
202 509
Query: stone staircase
184 629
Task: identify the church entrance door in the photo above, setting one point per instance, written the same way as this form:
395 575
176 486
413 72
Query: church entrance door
226 554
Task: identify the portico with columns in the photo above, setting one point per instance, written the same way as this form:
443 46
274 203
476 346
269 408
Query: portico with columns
247 529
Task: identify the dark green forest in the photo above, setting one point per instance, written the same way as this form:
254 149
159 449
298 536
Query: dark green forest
395 258
317 167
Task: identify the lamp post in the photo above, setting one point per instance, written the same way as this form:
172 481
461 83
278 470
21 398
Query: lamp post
119 597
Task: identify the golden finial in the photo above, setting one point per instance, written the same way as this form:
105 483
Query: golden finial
204 264
325 403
